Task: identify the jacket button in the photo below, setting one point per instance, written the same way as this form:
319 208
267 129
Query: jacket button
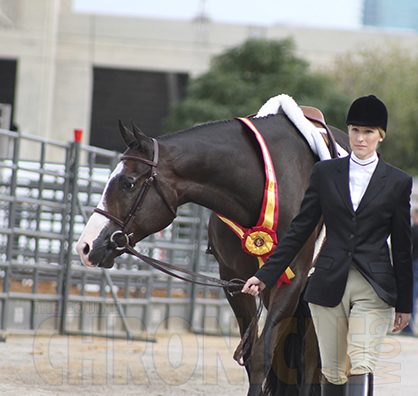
350 254
354 219
352 236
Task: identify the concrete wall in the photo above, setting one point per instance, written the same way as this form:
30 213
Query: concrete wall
56 50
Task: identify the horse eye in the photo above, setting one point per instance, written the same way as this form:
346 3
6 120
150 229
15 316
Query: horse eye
127 185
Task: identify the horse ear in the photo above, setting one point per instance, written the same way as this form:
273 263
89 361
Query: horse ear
139 135
127 135
143 140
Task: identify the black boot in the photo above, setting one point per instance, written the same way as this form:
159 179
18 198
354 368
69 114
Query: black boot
329 389
360 385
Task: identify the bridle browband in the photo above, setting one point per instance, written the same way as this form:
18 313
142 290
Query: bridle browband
127 223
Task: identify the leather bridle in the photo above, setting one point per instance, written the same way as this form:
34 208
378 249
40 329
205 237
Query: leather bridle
127 223
170 269
126 243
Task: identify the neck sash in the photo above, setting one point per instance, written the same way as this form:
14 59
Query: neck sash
261 240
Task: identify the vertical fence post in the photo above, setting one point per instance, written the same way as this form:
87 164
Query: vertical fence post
11 239
75 161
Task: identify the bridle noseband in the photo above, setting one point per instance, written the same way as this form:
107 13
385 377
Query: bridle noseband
122 235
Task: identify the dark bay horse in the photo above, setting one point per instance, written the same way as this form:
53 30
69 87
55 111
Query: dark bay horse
220 166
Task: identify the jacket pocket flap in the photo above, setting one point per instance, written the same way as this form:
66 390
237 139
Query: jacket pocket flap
324 262
381 267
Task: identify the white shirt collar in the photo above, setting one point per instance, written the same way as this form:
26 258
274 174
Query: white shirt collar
368 161
360 173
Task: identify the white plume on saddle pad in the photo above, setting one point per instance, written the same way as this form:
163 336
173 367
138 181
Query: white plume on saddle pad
311 133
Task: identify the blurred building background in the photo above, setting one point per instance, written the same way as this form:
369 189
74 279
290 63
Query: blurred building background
61 70
401 14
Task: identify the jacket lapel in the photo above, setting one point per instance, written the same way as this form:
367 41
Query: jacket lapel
342 183
377 182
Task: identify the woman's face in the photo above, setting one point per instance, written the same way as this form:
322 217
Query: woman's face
364 140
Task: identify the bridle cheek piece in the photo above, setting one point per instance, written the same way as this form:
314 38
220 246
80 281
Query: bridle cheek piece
120 240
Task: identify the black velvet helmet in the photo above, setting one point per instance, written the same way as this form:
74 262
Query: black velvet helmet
368 111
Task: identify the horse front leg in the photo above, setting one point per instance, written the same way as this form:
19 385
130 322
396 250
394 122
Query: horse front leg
284 359
234 263
291 355
248 324
277 326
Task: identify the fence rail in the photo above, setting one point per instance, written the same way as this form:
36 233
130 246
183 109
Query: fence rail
47 191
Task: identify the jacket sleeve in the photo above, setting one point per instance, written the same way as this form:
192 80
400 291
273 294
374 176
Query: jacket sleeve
300 230
401 247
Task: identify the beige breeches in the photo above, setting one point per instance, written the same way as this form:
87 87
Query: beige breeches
350 335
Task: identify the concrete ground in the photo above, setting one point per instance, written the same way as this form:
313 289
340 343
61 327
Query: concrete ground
175 365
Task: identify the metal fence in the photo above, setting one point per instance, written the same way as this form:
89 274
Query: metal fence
47 191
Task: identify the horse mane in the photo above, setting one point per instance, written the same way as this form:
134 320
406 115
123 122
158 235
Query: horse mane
199 127
195 128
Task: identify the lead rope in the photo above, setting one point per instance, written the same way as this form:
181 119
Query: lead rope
251 332
168 268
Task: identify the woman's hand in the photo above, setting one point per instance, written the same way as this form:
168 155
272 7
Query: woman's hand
401 321
253 286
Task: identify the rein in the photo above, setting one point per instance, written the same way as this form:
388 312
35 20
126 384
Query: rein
169 268
120 240
245 345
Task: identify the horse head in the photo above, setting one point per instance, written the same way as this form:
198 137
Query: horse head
138 200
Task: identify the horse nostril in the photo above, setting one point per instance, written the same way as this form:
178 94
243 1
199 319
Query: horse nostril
86 249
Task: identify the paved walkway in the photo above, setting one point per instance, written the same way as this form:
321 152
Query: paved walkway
176 365
397 374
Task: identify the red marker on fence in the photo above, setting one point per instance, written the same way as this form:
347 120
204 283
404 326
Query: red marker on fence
78 134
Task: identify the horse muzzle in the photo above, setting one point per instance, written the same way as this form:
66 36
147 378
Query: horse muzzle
101 257
103 253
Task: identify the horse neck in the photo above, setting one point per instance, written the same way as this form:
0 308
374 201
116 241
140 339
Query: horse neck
219 167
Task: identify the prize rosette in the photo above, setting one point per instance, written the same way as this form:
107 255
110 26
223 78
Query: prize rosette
259 241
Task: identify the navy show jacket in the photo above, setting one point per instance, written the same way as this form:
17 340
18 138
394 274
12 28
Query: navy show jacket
352 237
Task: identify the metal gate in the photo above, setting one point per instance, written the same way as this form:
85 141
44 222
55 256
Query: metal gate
47 191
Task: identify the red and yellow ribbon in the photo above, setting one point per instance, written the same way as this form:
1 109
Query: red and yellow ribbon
261 240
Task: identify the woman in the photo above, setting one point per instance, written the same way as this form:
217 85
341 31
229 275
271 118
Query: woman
355 285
